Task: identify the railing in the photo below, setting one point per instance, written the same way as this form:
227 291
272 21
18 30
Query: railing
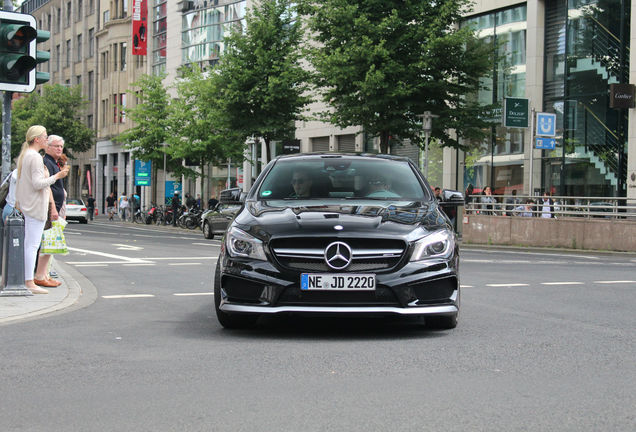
570 206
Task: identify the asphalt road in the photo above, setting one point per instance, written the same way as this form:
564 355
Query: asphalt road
545 342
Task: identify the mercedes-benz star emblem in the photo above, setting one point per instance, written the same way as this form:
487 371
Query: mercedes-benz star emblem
338 255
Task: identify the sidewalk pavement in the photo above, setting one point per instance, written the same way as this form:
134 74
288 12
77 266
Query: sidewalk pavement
70 293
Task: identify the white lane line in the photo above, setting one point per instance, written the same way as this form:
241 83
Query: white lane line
111 256
507 285
207 244
139 264
193 294
183 264
562 283
183 258
615 282
91 265
128 296
466 286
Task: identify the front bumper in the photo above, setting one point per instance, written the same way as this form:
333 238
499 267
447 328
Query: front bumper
422 288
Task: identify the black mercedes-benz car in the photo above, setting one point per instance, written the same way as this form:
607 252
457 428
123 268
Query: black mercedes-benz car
340 234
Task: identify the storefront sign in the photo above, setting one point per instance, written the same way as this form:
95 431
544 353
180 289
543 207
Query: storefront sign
621 96
143 172
516 113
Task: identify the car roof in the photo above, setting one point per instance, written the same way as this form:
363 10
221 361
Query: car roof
321 155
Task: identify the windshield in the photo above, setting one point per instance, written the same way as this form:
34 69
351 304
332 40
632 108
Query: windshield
74 201
342 177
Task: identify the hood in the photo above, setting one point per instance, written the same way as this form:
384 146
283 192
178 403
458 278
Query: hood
267 219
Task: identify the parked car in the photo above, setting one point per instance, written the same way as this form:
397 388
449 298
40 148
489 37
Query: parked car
76 210
340 234
215 221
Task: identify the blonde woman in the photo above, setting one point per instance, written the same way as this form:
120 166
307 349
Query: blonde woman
33 194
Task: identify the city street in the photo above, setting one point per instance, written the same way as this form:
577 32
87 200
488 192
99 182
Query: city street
545 342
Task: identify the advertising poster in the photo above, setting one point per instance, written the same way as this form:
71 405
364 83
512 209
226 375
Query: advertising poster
139 27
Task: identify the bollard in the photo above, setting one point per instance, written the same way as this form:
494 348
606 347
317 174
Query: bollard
13 257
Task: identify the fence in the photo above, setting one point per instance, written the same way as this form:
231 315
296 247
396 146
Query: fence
575 222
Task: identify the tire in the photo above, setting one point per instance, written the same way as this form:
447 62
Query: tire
84 221
181 222
441 322
207 231
229 321
190 223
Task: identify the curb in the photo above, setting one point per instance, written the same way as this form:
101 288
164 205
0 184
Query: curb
80 293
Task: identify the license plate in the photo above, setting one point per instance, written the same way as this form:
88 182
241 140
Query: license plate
337 282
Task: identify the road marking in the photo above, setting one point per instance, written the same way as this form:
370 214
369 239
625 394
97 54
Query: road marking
206 244
127 296
90 265
139 264
615 282
466 286
183 258
183 264
127 247
562 283
507 285
193 294
107 255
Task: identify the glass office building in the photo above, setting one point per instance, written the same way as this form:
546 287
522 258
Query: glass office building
585 50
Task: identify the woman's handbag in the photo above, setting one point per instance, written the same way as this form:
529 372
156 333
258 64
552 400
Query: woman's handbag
53 241
48 223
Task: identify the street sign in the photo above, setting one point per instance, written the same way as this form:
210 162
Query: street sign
143 173
546 124
546 143
516 113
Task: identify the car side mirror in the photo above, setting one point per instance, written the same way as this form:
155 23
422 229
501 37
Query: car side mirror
452 198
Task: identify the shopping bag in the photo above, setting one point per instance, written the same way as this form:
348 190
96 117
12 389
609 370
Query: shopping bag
53 241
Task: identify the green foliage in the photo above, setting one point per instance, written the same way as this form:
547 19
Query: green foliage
380 63
196 118
150 117
260 81
58 109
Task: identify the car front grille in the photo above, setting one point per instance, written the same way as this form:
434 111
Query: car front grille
308 254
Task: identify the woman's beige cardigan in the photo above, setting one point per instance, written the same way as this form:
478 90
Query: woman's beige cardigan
33 187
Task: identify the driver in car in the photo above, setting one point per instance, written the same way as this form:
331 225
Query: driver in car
301 183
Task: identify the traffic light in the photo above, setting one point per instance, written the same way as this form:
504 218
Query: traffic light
18 54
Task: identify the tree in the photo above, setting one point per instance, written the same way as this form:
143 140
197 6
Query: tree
151 129
381 63
59 110
195 118
261 83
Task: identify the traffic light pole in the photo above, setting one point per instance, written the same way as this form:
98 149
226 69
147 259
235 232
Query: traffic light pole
6 119
6 133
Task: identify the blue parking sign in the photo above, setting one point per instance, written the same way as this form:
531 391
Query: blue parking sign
546 124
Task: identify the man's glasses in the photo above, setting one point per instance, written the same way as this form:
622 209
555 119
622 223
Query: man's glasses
299 181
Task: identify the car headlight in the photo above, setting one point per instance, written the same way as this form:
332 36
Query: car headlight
439 244
241 244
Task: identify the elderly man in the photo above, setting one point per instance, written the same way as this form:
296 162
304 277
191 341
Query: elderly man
54 149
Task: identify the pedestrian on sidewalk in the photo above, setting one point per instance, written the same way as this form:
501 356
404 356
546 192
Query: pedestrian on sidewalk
33 197
124 208
10 204
111 207
54 160
176 204
90 205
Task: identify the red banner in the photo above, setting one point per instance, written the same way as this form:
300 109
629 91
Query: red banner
139 27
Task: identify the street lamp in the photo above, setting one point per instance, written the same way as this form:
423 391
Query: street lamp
427 127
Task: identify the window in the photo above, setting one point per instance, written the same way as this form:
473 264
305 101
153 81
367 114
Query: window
89 121
106 16
58 55
91 42
68 53
105 65
67 83
115 57
122 58
79 48
114 108
91 6
124 8
139 61
78 80
68 15
122 108
115 9
104 111
90 85
48 22
58 20
79 10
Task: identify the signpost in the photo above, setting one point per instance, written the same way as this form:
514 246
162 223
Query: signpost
516 113
143 173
